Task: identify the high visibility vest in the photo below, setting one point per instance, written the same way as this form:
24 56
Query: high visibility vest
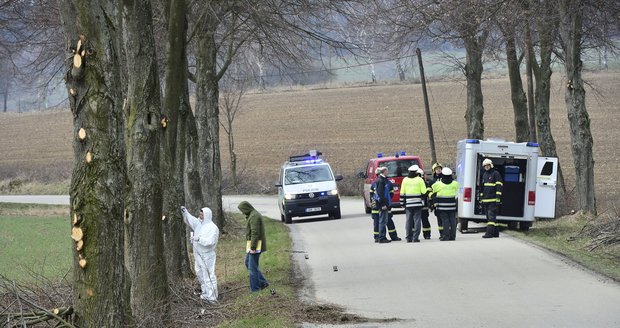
445 195
411 191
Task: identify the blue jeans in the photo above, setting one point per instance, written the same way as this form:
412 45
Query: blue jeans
257 281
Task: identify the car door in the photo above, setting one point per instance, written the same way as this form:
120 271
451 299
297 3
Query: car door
546 182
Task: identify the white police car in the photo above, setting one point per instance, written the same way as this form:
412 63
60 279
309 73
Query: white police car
307 187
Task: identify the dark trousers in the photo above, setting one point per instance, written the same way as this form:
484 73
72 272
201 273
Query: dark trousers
448 219
491 210
426 225
391 228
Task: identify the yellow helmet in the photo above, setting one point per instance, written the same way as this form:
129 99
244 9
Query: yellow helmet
436 165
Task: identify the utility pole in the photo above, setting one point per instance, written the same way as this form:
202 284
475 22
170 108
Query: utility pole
431 137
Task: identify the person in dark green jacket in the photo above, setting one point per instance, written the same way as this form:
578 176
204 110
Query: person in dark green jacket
256 244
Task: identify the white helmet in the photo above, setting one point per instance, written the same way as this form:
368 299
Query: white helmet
446 171
487 162
421 172
413 168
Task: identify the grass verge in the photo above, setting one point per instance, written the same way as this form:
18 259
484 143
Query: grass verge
592 242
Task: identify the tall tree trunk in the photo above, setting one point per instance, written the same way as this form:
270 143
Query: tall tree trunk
571 15
233 156
100 290
529 56
207 118
542 73
474 116
6 94
191 175
143 214
173 154
519 101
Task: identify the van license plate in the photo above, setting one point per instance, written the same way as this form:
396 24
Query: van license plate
313 209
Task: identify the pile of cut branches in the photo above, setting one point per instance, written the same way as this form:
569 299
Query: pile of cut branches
604 231
33 305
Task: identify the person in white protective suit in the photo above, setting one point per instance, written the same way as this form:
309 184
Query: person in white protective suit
204 239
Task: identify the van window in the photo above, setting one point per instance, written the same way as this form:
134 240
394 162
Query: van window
398 168
305 174
547 169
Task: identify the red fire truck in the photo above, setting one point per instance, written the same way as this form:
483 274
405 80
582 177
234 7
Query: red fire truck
397 166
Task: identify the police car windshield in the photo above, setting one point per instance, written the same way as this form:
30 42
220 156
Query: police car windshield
305 174
398 168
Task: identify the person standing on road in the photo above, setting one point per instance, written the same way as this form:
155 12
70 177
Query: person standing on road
384 202
491 197
444 196
256 244
436 168
426 225
374 210
412 197
204 240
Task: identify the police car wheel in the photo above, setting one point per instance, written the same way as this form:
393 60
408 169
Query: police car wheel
288 219
336 215
282 217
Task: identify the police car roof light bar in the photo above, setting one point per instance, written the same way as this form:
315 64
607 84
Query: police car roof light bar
311 157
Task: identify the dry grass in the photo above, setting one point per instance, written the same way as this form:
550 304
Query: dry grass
349 125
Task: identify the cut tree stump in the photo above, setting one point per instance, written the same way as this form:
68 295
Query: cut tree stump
77 234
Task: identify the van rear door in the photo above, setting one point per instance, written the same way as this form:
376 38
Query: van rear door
546 181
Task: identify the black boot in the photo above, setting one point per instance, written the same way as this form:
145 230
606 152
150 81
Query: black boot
496 232
490 233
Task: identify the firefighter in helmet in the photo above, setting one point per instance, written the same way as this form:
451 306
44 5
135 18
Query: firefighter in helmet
436 168
391 228
444 196
426 225
491 197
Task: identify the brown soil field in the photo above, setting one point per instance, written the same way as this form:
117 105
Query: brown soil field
349 125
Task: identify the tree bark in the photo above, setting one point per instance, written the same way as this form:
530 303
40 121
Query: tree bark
546 35
519 101
474 116
191 177
529 55
6 94
207 118
173 147
571 15
101 287
143 213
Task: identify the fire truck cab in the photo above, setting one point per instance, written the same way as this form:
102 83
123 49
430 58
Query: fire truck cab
397 166
528 181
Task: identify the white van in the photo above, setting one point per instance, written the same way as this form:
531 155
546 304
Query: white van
528 181
307 187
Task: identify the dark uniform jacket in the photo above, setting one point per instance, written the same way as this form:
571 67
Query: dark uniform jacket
491 187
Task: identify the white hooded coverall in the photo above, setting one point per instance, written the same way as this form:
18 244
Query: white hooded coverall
204 240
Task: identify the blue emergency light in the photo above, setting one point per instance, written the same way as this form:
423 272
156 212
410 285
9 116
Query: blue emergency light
472 141
403 153
532 144
379 155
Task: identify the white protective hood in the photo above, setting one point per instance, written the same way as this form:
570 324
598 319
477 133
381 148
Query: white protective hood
207 233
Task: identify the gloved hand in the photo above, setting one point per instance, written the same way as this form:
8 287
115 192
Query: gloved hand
384 208
183 209
196 238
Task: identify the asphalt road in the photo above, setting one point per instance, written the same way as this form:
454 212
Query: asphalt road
470 282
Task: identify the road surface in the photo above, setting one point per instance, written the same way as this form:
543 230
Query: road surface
470 282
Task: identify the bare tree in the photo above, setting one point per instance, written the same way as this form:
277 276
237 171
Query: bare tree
286 30
509 22
233 89
93 80
144 254
571 23
176 107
